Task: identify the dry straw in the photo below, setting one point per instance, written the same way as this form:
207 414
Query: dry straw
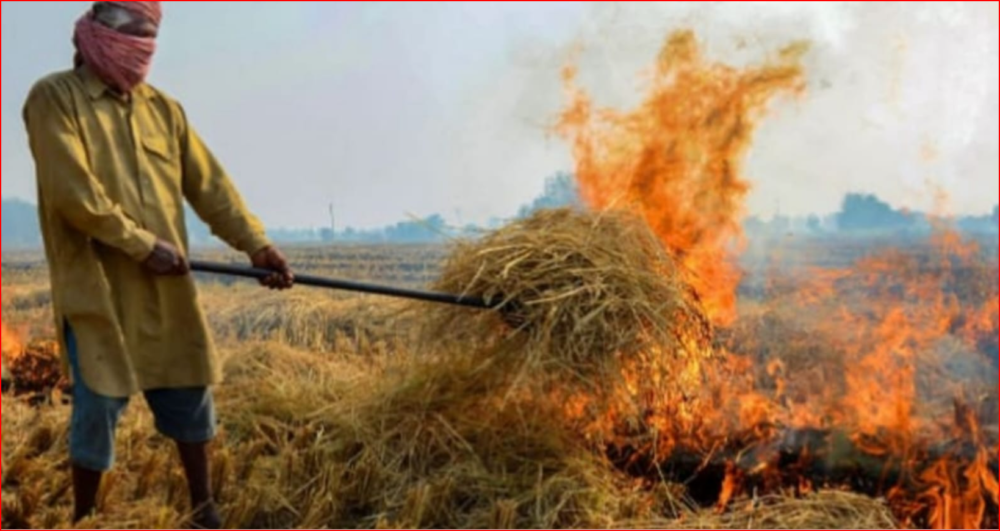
592 291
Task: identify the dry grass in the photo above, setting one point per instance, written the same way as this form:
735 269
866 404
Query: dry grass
314 442
824 510
309 319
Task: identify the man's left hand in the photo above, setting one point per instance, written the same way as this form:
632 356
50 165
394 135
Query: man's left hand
272 259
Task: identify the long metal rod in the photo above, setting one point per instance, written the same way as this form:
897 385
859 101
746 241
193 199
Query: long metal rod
346 285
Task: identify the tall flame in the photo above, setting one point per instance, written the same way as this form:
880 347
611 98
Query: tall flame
677 157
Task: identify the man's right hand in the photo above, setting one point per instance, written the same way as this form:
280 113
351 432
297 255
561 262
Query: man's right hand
166 260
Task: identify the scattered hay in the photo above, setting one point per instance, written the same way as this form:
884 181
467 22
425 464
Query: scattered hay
31 438
592 289
310 319
823 510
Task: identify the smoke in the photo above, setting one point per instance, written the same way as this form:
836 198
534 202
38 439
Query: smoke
902 98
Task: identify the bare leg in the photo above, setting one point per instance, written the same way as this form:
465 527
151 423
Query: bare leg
196 467
86 484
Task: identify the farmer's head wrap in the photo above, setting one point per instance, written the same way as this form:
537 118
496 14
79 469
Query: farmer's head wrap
122 61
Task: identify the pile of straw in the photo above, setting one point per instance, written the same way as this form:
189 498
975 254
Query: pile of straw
434 446
587 291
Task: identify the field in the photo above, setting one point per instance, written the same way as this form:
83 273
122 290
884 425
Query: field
333 414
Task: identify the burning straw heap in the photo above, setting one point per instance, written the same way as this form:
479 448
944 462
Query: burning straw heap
475 436
587 291
34 369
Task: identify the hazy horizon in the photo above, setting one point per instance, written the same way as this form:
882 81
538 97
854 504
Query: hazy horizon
388 111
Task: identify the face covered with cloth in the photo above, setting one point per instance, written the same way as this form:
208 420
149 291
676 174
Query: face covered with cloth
117 41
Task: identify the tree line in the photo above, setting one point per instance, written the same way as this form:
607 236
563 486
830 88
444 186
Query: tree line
860 214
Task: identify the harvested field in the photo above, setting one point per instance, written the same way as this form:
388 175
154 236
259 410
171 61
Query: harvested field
346 411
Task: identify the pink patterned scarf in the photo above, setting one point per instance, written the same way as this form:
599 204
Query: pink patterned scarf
121 61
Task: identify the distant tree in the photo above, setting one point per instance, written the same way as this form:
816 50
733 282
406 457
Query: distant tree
430 229
470 229
780 224
560 191
286 235
814 224
867 212
754 225
436 223
995 218
20 225
830 221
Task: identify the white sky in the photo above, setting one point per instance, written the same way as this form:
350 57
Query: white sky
390 110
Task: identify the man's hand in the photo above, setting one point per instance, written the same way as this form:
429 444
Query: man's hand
271 258
166 260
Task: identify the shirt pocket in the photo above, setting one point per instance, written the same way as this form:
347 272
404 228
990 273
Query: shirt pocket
163 159
163 175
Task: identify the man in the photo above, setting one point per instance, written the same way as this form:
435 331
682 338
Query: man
115 161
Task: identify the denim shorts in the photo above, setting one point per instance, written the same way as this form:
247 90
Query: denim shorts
184 415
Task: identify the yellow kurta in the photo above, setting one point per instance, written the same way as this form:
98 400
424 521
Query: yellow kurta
113 174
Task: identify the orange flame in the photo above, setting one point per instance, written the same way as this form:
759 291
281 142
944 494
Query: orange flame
677 157
11 342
